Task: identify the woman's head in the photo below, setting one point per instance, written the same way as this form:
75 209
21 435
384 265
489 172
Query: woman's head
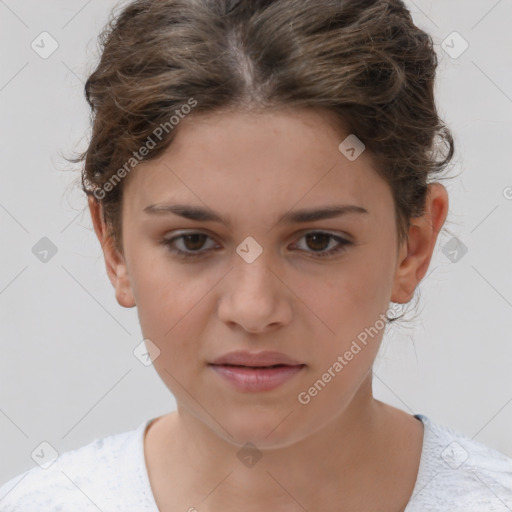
254 111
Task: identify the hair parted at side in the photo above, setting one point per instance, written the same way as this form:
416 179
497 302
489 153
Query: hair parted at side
364 61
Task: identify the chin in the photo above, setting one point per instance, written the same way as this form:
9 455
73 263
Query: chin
262 428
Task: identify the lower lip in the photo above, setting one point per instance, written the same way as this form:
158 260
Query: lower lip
256 379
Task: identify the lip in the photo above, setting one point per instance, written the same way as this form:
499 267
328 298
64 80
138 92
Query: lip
256 371
264 358
248 379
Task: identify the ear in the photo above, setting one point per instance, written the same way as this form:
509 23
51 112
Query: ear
415 254
114 261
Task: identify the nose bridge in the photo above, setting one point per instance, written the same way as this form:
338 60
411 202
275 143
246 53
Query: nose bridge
252 264
254 287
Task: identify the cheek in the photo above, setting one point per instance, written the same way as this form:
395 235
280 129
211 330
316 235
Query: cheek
369 280
352 303
345 356
351 295
171 303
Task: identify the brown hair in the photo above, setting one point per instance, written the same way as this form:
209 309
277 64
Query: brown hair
364 61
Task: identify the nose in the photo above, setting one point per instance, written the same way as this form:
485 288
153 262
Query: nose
255 296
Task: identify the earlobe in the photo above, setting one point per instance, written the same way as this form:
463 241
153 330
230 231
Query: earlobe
416 253
114 261
403 286
122 286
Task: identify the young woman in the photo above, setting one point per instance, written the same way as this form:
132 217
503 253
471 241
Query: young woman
260 178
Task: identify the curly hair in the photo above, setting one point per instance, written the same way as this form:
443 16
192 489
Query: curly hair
364 61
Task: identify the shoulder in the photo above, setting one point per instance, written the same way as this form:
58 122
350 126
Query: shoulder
86 478
459 473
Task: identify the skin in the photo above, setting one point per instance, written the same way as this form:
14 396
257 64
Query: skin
344 446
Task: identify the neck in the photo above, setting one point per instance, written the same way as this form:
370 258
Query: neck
345 459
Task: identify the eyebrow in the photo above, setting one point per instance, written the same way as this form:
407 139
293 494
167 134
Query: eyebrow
295 216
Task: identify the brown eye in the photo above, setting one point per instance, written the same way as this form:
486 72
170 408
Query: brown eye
318 241
191 245
194 242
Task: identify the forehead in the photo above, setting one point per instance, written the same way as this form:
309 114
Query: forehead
264 160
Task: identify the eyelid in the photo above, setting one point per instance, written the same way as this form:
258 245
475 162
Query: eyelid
179 235
333 233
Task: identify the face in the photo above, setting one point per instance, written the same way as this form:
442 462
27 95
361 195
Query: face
260 280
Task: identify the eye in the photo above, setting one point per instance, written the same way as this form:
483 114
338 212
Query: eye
318 239
192 242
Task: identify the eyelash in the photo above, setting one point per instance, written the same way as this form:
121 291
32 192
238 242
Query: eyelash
342 245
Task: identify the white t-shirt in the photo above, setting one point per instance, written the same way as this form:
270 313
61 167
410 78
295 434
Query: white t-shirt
456 473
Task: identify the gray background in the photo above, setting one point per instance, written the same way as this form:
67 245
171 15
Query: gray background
68 373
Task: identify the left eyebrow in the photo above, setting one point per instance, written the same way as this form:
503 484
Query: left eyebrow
295 216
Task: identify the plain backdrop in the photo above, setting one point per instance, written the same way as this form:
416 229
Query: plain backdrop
67 369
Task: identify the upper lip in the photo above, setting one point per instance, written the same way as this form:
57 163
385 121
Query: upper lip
265 358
